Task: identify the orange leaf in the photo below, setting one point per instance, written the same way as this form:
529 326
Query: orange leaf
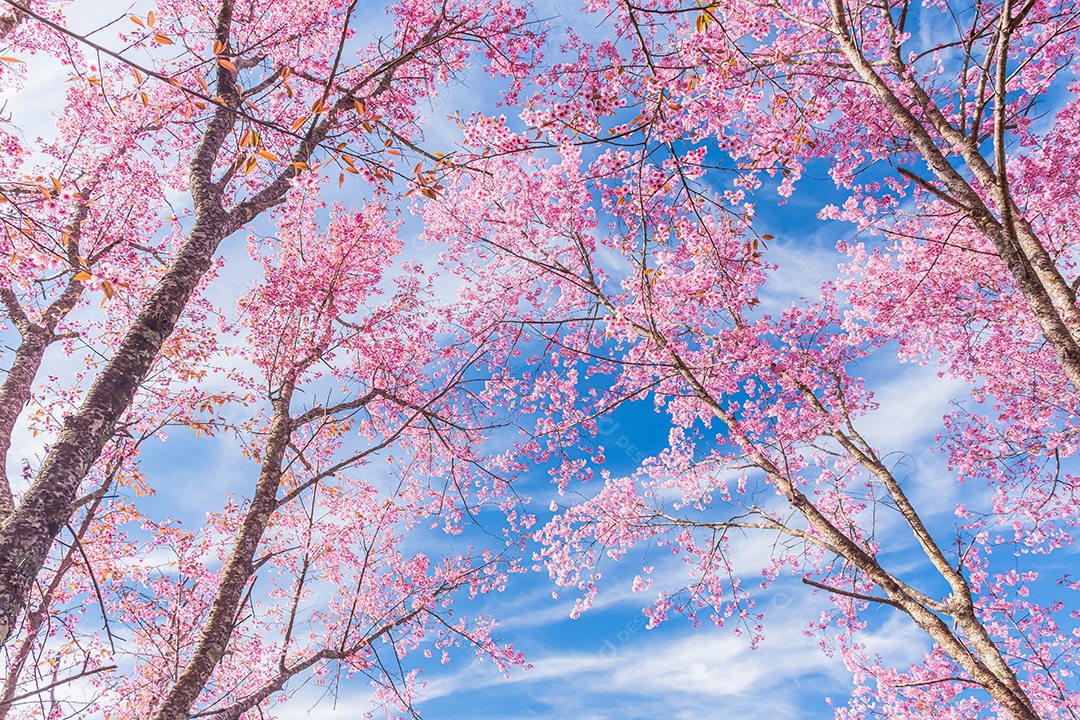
163 39
8 58
81 276
135 19
268 155
226 64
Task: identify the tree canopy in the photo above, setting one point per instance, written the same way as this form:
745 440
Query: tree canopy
368 333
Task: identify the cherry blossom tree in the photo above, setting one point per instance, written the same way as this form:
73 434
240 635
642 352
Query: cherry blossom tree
608 250
617 226
210 117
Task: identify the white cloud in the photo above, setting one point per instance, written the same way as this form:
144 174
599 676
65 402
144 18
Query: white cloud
912 400
655 675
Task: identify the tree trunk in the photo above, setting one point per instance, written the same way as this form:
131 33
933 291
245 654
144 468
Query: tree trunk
217 631
1036 276
27 533
18 385
10 21
14 394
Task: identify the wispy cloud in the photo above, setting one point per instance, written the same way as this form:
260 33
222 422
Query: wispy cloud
656 675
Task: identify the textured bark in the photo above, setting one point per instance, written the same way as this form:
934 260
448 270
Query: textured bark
38 617
14 394
27 533
16 389
217 630
10 21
